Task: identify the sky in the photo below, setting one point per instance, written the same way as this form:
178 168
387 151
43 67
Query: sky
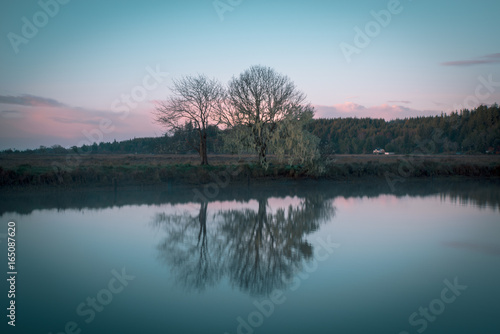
73 72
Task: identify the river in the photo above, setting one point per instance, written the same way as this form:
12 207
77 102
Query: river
304 257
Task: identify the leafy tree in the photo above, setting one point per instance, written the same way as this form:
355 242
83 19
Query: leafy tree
262 106
292 143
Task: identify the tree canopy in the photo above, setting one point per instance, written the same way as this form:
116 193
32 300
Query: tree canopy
266 112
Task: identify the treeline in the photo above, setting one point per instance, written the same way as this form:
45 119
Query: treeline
466 131
181 142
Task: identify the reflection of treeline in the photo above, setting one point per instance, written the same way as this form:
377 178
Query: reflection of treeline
483 193
476 130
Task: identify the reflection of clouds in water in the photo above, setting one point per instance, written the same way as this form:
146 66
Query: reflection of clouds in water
216 206
477 247
383 202
276 203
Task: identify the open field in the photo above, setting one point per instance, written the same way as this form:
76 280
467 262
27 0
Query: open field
131 169
13 161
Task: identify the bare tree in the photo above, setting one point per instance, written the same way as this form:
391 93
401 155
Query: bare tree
259 102
197 100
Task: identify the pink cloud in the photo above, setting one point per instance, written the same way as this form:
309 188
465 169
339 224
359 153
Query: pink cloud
40 121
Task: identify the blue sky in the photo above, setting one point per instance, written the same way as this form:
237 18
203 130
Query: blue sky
58 84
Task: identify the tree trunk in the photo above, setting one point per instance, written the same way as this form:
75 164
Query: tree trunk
202 236
262 156
203 148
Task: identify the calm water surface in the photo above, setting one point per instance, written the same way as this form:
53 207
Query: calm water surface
289 258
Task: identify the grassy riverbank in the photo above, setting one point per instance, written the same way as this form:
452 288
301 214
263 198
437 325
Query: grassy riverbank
122 169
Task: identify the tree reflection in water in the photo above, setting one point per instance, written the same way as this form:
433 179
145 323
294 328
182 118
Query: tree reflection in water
256 250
